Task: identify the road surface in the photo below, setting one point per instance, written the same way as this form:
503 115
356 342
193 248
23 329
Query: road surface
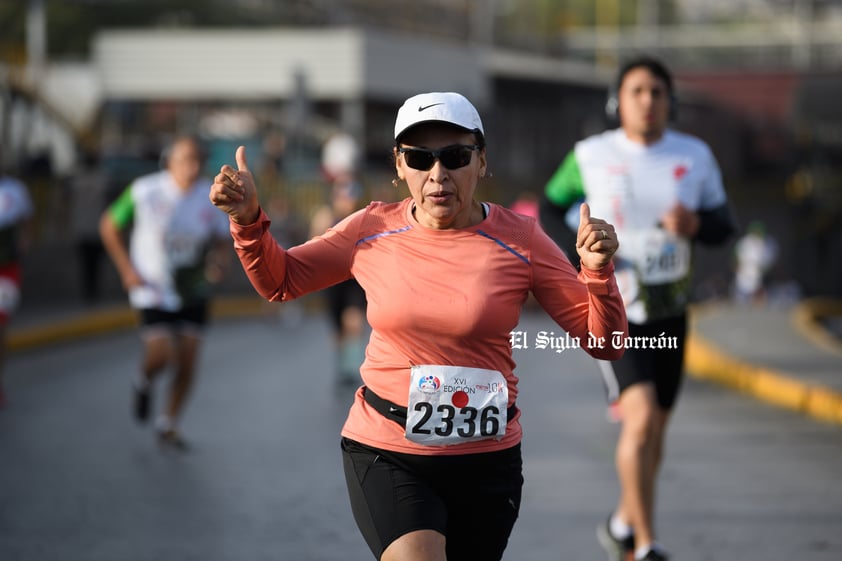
80 480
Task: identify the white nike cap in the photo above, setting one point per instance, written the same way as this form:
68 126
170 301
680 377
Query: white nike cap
443 107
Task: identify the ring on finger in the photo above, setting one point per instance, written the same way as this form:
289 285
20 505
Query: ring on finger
604 235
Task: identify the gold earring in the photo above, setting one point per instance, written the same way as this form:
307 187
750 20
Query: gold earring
394 183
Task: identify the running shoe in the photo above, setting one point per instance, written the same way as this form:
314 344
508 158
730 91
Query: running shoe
142 403
616 549
172 439
655 555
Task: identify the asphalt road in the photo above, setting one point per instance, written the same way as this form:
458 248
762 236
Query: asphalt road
80 480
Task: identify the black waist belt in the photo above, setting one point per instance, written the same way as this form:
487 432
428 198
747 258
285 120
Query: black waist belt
398 414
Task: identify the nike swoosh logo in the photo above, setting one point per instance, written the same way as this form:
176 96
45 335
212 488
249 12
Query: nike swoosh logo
423 107
393 409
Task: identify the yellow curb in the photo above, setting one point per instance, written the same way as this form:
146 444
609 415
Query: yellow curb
118 318
237 306
705 362
94 323
807 317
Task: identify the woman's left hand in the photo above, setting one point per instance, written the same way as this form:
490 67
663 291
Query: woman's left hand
596 240
233 191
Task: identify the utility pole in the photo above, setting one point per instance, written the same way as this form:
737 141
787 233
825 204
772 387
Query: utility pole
607 32
36 42
481 21
648 17
802 45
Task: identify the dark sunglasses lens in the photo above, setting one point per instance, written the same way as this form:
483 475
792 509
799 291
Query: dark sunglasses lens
455 157
452 157
419 159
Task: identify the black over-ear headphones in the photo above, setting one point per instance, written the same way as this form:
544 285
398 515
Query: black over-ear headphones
656 67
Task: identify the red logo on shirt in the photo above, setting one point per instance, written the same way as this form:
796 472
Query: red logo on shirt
679 172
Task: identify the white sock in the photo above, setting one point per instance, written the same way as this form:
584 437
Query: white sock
642 551
164 423
619 529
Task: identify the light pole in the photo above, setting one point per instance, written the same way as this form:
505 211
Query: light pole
36 42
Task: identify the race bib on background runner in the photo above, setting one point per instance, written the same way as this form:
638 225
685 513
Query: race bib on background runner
455 404
184 250
662 257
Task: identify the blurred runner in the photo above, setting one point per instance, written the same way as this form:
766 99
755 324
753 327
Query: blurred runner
346 300
527 205
88 199
15 230
755 253
179 246
663 191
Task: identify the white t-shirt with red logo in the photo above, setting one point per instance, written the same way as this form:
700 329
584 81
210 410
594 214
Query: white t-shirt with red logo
172 230
632 186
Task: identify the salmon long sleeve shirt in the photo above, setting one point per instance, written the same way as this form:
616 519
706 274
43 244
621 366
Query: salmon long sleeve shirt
436 297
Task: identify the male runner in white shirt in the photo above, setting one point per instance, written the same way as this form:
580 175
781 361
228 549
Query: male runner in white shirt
662 190
179 240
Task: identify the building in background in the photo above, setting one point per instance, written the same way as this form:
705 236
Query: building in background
539 71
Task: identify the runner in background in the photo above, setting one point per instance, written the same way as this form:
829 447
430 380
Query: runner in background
88 190
15 232
527 204
179 247
663 191
346 300
755 254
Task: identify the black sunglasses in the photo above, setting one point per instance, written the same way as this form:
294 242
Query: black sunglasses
452 157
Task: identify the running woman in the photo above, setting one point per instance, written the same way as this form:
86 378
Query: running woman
445 276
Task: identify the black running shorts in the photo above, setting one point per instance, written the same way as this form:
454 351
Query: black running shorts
194 315
654 353
472 499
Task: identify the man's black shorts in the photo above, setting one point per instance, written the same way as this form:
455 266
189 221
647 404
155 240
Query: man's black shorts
654 353
193 316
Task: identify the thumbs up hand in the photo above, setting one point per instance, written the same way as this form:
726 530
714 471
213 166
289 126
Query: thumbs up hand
233 191
596 240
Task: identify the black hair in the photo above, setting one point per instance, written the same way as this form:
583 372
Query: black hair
163 158
652 64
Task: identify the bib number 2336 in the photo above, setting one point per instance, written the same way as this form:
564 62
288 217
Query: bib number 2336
455 404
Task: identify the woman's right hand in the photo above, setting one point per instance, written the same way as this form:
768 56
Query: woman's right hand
233 191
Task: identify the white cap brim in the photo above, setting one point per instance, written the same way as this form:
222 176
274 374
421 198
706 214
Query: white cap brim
441 107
